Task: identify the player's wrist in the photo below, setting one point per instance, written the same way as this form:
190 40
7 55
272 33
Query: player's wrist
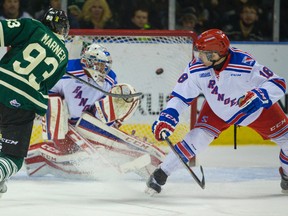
170 116
262 94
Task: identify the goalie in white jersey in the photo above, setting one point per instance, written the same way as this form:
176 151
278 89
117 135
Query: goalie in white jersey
238 91
92 138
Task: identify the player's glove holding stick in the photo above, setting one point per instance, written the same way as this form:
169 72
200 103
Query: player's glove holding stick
167 121
254 100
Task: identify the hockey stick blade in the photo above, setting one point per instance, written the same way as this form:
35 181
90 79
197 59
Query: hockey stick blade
138 94
201 183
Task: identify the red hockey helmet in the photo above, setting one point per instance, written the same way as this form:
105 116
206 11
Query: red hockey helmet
213 40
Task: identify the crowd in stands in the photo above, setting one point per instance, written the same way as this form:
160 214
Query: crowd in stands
241 20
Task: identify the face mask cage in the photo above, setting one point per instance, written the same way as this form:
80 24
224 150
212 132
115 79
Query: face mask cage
208 54
96 68
63 28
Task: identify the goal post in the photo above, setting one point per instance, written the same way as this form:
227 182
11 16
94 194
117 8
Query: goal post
149 60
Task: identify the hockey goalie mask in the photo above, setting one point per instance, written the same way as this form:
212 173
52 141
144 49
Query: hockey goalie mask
111 109
96 62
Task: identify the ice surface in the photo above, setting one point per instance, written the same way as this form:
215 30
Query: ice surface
243 182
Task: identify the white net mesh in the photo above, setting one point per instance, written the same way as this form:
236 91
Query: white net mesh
150 62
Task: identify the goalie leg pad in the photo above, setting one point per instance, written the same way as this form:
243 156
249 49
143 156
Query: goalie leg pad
93 129
114 140
44 158
55 122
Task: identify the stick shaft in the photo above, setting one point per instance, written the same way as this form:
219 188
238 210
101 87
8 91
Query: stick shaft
105 92
201 183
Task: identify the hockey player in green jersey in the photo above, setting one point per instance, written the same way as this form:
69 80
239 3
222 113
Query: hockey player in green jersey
35 61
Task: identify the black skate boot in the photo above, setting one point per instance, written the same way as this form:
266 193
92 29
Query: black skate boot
3 188
284 181
156 180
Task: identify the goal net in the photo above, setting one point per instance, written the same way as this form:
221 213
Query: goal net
150 61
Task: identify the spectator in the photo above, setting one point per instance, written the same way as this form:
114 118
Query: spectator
158 13
11 9
188 20
96 14
198 9
139 19
247 27
215 14
56 4
74 11
33 6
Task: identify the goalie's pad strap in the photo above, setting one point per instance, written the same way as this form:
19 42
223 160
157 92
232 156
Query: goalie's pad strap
79 140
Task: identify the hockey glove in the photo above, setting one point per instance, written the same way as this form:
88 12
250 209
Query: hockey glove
254 100
167 122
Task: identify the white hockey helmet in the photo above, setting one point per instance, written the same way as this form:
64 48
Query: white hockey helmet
96 62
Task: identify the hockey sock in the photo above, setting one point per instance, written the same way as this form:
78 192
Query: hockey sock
9 165
284 161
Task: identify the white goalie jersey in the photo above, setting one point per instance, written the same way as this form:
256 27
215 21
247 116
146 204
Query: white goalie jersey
79 96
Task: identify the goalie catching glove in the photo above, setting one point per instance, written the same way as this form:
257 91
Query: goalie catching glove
111 109
254 100
167 121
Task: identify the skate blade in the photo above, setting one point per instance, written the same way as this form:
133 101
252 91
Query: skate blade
151 192
283 191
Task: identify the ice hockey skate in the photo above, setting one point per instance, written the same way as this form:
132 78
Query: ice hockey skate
3 188
156 180
284 181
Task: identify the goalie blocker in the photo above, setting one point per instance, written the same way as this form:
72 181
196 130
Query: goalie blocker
69 149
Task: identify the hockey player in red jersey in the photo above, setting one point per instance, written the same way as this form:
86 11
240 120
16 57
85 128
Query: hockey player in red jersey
36 60
238 91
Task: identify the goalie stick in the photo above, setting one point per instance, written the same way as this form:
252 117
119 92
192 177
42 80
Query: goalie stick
138 94
201 183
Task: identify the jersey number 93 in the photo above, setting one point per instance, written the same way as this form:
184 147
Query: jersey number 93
33 55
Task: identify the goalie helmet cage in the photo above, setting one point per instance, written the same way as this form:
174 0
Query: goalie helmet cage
149 60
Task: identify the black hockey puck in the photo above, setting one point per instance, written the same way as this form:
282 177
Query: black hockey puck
159 71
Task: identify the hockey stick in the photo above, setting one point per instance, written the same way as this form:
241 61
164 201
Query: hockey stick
195 177
138 94
235 136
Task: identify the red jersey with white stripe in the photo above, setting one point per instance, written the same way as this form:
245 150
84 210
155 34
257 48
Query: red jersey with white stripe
222 89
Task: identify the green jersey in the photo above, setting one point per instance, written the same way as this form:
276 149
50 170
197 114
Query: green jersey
35 61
